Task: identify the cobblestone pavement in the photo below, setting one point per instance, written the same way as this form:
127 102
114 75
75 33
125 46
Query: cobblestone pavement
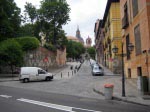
79 83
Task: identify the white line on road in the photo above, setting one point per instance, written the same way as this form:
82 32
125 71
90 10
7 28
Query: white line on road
59 107
5 96
54 106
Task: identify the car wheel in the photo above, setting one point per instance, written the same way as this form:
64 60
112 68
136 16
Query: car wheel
48 78
25 80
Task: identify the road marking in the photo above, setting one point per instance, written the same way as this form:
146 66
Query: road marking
86 110
5 96
59 107
54 106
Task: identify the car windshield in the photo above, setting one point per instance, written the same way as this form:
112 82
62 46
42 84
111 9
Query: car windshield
96 67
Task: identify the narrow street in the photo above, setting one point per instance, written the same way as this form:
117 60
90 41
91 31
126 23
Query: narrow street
68 94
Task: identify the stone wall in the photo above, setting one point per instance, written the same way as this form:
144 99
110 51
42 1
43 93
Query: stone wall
40 57
61 57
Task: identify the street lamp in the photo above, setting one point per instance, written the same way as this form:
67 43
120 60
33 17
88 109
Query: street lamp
115 50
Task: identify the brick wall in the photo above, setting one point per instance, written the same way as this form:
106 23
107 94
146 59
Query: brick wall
40 57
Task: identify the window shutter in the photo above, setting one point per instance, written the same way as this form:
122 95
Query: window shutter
135 7
127 43
137 36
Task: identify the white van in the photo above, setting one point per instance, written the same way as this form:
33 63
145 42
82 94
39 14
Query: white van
33 74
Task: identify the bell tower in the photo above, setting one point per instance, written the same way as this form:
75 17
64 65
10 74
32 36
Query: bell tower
78 35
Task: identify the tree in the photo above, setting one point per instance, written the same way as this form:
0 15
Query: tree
74 49
10 19
10 54
28 43
31 10
26 30
49 19
91 51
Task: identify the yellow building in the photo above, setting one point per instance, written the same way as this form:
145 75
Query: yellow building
112 35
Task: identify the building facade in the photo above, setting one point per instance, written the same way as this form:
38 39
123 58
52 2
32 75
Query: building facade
135 16
112 35
88 42
99 37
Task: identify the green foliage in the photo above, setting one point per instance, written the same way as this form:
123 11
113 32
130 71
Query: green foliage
50 47
49 19
92 52
10 53
26 30
9 19
56 12
74 49
31 10
28 43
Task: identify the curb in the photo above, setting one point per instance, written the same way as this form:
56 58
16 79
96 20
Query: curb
119 99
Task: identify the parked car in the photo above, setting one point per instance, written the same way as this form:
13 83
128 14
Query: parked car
34 74
97 70
92 62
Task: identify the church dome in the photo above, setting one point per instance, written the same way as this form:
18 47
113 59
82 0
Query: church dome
73 38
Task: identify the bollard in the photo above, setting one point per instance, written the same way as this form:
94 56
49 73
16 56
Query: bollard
75 71
61 74
72 73
68 74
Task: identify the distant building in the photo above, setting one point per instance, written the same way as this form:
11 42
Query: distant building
88 42
78 37
72 38
99 37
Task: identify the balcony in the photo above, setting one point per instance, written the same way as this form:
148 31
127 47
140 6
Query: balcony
125 22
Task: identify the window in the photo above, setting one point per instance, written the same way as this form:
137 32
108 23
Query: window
125 21
135 7
129 73
139 71
137 36
127 43
41 72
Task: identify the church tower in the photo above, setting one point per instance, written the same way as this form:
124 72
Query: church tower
88 42
78 35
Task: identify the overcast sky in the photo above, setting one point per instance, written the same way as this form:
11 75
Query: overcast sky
84 13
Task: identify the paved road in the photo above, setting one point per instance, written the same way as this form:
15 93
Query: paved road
67 94
80 84
23 100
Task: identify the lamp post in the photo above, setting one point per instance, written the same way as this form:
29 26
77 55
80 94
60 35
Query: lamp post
115 50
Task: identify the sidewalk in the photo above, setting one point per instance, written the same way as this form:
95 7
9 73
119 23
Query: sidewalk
133 95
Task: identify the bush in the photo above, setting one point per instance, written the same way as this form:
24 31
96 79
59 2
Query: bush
50 47
28 43
11 53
